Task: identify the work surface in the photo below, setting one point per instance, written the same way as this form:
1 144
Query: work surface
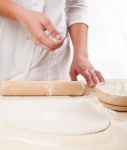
114 138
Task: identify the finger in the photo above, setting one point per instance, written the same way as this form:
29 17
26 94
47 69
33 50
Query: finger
55 39
73 75
43 46
94 77
36 41
100 76
54 43
87 76
51 28
47 42
58 42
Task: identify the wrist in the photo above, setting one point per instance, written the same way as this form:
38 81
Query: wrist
20 13
78 55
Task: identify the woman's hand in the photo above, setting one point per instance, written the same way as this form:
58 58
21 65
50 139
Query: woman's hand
82 66
35 22
39 25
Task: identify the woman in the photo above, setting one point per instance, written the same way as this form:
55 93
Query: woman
34 41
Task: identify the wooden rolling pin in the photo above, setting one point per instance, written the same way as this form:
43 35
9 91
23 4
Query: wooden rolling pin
42 88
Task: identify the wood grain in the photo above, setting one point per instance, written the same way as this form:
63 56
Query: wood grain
42 88
110 98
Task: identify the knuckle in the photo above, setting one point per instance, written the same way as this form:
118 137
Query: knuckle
95 81
82 69
88 77
86 74
92 74
95 78
98 72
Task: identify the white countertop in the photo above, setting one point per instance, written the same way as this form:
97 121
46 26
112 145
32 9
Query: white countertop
114 138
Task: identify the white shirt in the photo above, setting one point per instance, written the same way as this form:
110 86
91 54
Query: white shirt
22 59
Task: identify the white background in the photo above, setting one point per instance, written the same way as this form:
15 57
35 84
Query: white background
108 36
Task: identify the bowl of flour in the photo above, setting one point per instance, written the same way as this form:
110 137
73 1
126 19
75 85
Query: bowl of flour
113 92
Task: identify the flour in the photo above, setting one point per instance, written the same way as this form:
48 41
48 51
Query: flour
115 87
52 61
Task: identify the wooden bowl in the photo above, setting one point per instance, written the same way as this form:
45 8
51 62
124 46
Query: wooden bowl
113 92
116 108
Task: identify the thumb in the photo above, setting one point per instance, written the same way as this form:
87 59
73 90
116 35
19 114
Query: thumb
48 25
73 75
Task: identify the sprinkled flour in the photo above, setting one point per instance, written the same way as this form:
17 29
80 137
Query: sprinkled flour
52 61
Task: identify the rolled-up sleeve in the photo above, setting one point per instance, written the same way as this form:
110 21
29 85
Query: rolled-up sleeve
76 12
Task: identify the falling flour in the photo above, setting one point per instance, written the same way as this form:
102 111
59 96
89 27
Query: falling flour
51 64
115 87
52 61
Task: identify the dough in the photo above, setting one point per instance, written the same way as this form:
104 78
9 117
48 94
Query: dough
59 115
113 92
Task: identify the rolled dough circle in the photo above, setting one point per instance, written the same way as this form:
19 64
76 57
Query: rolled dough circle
54 115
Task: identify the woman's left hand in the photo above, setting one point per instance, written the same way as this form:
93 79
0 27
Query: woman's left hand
82 66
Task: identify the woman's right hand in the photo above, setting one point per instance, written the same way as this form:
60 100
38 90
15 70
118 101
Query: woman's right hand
38 24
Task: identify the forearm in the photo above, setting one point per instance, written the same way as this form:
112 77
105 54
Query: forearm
79 34
10 9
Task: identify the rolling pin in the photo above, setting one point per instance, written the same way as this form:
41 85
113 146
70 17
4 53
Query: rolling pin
42 88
